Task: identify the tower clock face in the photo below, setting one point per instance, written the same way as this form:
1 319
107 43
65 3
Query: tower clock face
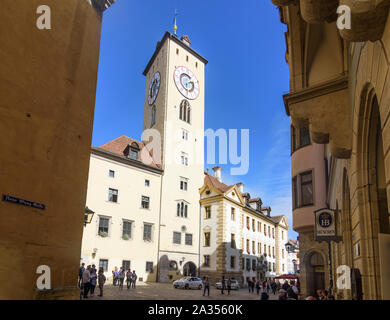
186 83
154 88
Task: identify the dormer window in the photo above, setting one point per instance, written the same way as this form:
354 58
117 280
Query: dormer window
132 151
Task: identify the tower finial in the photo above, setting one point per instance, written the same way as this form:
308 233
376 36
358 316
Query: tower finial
174 22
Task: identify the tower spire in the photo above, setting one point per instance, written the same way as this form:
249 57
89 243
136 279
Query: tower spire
174 22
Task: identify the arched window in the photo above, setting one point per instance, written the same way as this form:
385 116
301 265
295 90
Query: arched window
178 209
153 116
185 211
182 209
185 111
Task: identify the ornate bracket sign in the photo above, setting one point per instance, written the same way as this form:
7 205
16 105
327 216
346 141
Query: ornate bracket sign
22 202
325 225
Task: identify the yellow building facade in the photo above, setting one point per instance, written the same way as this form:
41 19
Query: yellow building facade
47 97
339 99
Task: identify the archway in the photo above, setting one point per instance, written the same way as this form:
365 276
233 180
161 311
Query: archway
315 275
189 269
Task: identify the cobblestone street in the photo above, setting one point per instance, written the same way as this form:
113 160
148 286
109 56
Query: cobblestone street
164 291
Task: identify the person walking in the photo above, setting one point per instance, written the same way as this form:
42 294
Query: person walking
129 276
101 281
285 286
86 283
81 271
223 284
115 274
282 294
249 285
121 277
292 291
229 286
93 281
206 286
264 294
134 279
273 287
253 285
257 287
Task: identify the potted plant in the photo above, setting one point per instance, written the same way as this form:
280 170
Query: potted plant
125 237
103 234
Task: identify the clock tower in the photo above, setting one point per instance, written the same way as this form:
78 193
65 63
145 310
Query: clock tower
174 108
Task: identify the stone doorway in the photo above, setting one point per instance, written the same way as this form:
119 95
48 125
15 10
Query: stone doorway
189 269
315 273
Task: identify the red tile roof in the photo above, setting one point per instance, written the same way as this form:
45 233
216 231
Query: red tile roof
215 183
277 219
119 145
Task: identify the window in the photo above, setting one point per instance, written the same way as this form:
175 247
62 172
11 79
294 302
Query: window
177 51
243 263
306 188
184 159
283 253
258 226
147 183
207 212
153 116
103 225
253 264
253 225
299 138
273 252
145 202
183 184
304 137
176 237
273 233
259 248
184 134
248 264
188 239
233 241
126 264
133 154
233 262
283 267
207 238
111 173
126 229
103 263
253 247
206 261
185 111
282 235
269 250
233 214
295 192
269 266
248 222
265 249
113 195
269 231
248 249
187 58
274 267
147 232
265 230
149 266
182 210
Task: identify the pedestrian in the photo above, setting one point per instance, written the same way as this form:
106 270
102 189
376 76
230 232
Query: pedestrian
253 284
285 286
134 279
273 287
93 281
229 285
86 283
206 285
121 277
257 287
264 294
292 291
321 294
129 276
282 294
93 268
115 274
223 284
81 271
101 281
249 284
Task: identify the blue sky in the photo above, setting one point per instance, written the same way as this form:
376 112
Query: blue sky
245 79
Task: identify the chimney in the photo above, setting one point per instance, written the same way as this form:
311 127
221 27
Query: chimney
186 40
240 186
218 173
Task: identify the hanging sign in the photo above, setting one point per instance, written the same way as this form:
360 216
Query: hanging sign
325 226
